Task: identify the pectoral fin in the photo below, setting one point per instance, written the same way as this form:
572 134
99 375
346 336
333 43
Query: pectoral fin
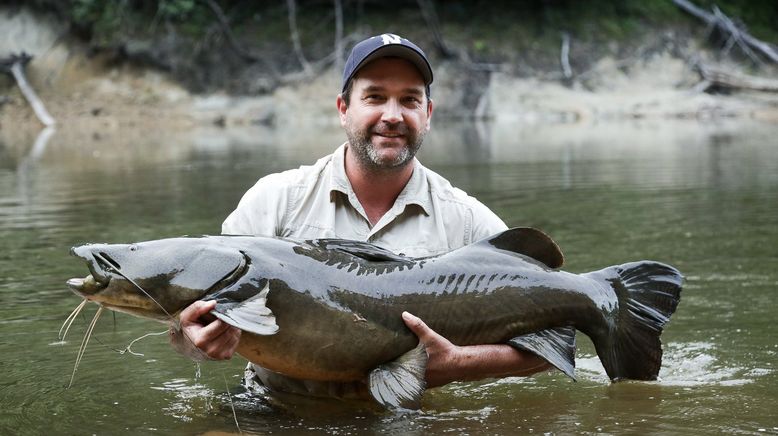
251 315
400 383
556 345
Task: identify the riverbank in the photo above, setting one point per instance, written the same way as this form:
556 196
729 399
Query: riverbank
95 91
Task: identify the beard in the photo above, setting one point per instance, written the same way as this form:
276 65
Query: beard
370 156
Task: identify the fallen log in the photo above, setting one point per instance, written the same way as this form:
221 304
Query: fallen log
719 77
14 65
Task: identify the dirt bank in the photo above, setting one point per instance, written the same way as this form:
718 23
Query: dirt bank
95 92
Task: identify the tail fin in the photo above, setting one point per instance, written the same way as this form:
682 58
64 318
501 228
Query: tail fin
648 293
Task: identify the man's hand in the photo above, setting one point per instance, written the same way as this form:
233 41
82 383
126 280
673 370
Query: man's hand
202 335
448 362
442 355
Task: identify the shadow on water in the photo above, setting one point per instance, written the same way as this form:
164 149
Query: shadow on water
699 196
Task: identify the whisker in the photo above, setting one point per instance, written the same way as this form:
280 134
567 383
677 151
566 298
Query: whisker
69 321
117 271
175 322
84 342
232 405
128 349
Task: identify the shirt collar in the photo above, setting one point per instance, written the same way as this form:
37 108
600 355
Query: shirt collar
416 191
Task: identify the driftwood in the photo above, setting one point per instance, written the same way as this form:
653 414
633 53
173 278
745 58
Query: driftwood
736 34
721 78
14 65
564 56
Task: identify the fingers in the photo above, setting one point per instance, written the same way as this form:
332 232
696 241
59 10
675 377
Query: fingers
203 335
212 330
219 342
414 323
419 328
196 310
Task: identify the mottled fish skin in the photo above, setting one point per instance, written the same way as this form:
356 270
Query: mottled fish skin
357 304
331 309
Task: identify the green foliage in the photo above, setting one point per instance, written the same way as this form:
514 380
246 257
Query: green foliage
109 20
88 12
176 9
489 28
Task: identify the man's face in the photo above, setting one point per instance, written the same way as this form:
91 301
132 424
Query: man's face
388 114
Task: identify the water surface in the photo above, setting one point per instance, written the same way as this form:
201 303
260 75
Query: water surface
703 197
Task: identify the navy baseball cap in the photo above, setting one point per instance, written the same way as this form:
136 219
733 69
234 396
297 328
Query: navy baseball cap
386 45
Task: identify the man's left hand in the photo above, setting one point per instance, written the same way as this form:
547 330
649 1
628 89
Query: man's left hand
442 355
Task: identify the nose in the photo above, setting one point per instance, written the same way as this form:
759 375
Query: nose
392 112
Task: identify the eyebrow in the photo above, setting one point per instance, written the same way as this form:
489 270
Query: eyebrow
376 88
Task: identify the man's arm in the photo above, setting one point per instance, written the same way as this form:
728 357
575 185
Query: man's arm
448 362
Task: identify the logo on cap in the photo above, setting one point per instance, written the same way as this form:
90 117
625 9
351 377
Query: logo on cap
391 38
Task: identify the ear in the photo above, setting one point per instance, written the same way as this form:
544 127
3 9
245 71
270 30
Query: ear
429 114
342 109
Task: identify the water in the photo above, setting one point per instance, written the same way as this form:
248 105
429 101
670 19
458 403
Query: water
703 197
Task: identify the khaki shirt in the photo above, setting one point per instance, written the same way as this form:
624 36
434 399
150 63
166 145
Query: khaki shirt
429 216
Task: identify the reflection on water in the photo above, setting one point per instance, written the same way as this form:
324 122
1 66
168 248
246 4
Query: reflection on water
701 197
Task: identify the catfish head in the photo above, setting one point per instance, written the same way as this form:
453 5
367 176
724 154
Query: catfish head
156 279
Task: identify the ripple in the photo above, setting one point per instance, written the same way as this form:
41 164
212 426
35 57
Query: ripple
685 365
190 400
480 415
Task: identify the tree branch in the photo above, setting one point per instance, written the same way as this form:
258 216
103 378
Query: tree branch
15 66
338 35
431 18
298 49
737 34
564 56
224 25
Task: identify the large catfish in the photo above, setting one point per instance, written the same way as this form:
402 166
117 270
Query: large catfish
330 309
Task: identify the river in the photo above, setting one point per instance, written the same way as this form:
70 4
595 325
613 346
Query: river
702 196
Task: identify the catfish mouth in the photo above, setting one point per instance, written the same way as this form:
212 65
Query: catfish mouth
101 267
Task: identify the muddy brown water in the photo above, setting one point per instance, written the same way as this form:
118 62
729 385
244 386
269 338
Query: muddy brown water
701 196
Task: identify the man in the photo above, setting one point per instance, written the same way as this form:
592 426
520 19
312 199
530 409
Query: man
370 189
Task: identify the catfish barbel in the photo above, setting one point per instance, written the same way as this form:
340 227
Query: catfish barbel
330 309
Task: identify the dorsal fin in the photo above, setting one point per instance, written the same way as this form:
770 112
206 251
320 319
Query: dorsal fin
365 250
529 242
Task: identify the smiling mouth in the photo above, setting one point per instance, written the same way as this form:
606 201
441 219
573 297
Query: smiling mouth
390 136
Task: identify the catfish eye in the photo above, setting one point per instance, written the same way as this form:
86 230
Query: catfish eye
133 248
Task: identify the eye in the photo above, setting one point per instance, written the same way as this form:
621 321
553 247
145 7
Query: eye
374 97
133 248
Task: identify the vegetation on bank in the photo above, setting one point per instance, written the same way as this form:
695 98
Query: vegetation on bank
249 47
